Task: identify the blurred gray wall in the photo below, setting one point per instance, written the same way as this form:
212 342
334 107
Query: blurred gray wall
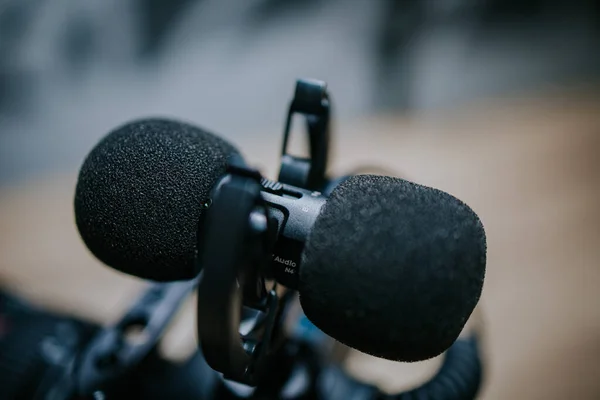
71 70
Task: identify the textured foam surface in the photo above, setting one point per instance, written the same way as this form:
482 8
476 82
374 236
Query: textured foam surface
392 268
140 194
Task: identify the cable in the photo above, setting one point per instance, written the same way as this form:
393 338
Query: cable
459 378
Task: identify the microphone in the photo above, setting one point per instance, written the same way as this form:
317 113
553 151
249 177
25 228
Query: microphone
389 267
141 192
392 268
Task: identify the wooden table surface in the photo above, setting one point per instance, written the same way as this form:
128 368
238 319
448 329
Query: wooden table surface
529 167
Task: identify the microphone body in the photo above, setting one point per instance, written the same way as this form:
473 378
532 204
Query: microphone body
295 211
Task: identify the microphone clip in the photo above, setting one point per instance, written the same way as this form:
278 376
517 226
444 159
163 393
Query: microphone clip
237 315
239 318
311 99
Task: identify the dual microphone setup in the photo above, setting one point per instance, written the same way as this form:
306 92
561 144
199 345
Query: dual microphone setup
383 265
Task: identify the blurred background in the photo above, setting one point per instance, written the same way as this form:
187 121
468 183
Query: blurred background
495 101
71 70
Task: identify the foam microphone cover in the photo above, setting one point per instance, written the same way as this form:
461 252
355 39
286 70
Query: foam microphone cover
140 195
392 268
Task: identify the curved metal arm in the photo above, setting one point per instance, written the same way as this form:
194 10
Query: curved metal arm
230 236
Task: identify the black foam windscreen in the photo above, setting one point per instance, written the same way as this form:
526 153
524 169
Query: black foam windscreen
140 195
392 268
